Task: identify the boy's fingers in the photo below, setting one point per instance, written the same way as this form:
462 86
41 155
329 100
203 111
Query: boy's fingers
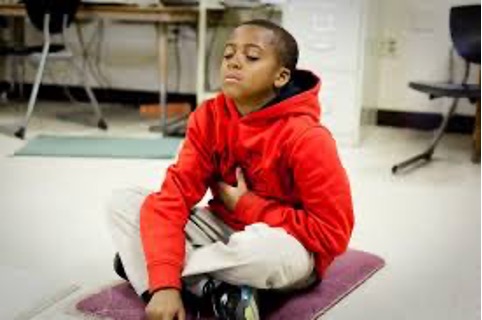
223 187
240 176
181 315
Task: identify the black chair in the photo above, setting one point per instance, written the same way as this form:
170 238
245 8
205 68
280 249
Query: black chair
465 34
52 17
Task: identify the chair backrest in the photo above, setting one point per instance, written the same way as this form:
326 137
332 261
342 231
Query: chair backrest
36 10
465 31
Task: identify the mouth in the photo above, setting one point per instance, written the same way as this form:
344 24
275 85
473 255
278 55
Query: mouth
232 78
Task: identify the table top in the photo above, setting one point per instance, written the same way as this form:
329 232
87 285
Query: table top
158 13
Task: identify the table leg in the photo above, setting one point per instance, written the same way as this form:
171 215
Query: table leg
201 51
163 75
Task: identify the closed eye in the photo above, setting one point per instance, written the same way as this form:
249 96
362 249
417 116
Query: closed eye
252 58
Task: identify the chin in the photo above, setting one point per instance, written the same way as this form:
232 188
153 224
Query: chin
230 92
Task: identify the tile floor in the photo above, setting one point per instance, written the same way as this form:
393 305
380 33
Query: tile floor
425 223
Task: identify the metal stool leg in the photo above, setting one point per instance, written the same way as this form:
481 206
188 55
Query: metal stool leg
427 154
101 123
20 133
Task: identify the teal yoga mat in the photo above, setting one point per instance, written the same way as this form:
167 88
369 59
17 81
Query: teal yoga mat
101 147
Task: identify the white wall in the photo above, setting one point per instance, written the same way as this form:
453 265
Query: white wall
420 30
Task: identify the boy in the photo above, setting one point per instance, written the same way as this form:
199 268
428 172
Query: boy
281 208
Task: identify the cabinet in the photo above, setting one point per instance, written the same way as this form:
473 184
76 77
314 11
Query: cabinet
330 36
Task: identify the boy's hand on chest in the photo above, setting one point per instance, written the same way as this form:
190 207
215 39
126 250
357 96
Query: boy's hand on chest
230 195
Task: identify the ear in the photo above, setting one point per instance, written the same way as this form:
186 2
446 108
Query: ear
283 77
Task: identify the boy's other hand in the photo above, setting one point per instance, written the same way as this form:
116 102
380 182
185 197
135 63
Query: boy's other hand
230 195
166 304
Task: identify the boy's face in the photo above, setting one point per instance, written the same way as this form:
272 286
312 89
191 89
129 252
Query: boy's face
250 70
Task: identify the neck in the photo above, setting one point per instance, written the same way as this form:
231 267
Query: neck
247 106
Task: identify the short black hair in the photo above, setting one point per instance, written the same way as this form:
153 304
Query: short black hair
286 43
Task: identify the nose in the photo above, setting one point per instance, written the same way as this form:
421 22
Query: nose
234 62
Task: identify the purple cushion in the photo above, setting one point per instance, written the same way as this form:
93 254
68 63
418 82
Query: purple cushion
345 274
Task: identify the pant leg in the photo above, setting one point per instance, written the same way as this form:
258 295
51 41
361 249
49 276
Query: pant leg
123 210
259 256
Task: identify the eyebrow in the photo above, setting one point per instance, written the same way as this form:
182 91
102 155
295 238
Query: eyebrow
248 45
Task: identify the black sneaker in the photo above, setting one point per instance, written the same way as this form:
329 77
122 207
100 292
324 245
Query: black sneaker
119 267
235 302
121 272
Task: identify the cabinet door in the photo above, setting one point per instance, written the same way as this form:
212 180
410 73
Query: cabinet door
327 32
330 36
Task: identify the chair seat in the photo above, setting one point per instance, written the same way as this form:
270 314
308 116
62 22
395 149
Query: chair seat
451 90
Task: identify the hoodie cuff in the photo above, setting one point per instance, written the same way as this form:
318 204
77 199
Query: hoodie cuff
246 206
164 276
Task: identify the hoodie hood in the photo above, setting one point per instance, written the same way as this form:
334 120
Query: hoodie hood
297 98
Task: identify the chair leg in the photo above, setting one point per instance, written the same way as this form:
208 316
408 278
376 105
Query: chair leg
101 123
20 133
426 155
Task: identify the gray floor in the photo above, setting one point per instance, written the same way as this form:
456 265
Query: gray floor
426 224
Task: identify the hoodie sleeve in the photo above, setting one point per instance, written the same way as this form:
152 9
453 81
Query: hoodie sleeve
164 213
324 221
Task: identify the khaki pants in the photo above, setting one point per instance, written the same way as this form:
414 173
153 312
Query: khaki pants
259 256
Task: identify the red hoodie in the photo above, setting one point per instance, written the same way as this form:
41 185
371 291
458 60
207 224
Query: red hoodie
290 164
